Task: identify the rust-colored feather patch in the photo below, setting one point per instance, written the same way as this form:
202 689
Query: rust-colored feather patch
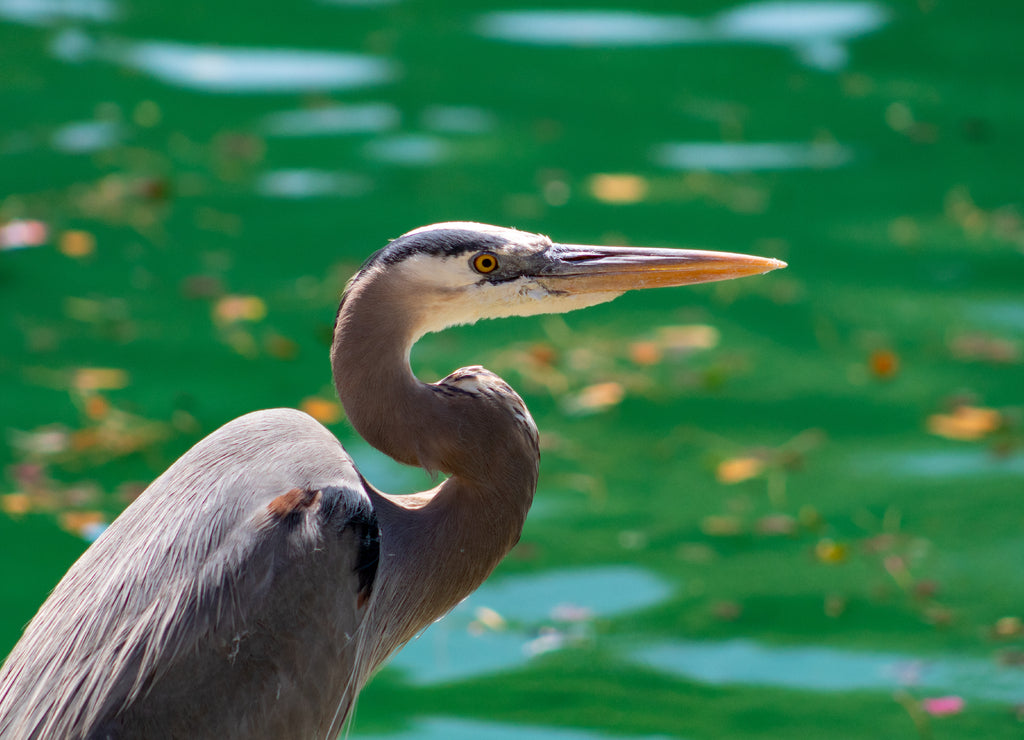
293 502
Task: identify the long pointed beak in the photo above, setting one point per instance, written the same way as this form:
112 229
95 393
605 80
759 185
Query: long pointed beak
576 268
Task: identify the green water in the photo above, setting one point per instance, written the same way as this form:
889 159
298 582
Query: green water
866 402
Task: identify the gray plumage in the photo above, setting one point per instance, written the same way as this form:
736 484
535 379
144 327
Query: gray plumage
254 587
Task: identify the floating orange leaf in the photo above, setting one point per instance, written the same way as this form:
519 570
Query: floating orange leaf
884 363
645 353
96 407
965 423
324 410
737 469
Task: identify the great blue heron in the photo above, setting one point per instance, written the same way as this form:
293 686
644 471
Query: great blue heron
253 588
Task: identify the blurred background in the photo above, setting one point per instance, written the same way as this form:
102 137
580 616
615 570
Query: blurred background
784 507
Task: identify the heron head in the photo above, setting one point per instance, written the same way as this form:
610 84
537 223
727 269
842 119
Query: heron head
460 272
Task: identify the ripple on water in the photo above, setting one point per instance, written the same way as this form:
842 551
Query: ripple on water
832 669
449 650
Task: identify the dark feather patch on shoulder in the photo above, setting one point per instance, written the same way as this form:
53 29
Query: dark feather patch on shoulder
341 511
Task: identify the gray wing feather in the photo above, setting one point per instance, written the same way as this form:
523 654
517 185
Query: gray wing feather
204 608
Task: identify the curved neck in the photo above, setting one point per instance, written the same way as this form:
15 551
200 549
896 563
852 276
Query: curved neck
436 546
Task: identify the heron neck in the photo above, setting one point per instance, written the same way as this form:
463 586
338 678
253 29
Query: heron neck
439 545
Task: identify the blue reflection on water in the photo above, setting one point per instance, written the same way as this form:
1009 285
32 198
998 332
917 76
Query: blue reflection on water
815 30
942 464
462 729
831 669
450 650
1008 313
750 156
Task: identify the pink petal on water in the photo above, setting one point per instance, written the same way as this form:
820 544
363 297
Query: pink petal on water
941 706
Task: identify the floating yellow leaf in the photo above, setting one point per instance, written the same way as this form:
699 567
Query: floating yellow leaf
232 308
1007 627
80 522
490 619
965 423
88 379
618 188
688 337
831 552
598 397
76 243
15 504
323 410
738 469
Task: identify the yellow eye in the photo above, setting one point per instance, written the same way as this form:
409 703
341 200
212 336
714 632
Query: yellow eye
485 262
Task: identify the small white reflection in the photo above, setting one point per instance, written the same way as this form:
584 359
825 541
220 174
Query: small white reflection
748 157
83 137
251 70
816 31
221 69
300 184
607 28
412 150
464 729
789 22
831 669
333 120
48 12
